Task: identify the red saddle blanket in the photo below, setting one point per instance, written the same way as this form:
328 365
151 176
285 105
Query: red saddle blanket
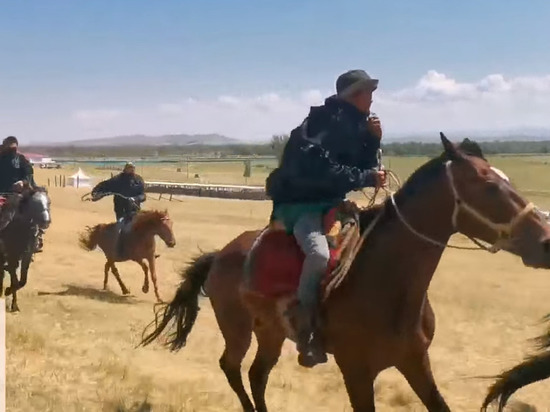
3 201
275 261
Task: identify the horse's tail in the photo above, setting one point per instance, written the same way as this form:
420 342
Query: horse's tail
89 239
534 369
184 308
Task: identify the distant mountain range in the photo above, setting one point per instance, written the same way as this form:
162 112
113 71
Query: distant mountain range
525 134
143 140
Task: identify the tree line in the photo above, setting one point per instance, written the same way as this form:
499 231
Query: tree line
274 148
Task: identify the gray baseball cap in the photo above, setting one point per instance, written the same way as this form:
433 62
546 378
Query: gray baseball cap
353 81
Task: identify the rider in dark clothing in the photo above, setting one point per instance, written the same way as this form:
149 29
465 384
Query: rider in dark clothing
15 169
15 172
128 189
334 151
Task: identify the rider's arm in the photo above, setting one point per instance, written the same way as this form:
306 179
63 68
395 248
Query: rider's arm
335 131
102 188
139 194
27 171
347 178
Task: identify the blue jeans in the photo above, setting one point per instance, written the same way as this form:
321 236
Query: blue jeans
309 234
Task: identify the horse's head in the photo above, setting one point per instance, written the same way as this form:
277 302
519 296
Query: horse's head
165 231
36 207
487 207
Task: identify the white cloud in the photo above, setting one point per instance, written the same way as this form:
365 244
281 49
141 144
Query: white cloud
436 102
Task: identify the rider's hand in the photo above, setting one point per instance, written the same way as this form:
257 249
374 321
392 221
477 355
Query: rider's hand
18 186
374 126
381 178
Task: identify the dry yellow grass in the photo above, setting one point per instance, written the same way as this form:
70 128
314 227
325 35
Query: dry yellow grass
72 348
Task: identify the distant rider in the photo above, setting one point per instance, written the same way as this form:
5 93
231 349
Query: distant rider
334 151
128 189
15 172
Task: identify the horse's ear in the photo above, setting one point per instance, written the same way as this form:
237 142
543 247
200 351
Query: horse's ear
450 149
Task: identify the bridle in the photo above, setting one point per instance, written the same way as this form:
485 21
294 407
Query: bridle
503 230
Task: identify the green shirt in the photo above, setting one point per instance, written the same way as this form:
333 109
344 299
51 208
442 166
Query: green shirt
290 213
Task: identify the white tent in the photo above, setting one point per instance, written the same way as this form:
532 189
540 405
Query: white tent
79 179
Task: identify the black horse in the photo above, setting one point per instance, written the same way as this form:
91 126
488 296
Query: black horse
23 215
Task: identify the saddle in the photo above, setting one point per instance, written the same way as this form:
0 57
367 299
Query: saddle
274 263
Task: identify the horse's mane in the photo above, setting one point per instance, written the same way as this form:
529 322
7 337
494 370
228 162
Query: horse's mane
421 178
146 219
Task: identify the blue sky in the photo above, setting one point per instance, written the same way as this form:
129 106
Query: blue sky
75 69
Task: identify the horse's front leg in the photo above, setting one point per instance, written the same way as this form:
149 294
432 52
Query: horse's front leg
359 381
25 264
145 287
14 286
153 270
418 372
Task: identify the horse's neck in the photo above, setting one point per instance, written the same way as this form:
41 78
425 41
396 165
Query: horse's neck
144 232
399 259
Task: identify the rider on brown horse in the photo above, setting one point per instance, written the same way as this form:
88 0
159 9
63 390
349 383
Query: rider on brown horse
334 151
128 189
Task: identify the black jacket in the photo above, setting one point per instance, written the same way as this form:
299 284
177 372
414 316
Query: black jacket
13 168
129 186
330 154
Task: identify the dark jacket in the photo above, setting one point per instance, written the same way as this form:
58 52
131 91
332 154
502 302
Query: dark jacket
330 154
129 186
13 168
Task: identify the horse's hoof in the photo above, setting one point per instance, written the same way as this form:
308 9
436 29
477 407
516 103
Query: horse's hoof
145 289
125 292
15 308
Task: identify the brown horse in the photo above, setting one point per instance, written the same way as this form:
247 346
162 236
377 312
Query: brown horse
535 368
139 242
380 315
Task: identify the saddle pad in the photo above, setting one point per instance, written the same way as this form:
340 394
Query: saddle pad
275 260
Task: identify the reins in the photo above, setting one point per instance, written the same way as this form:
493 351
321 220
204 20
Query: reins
87 198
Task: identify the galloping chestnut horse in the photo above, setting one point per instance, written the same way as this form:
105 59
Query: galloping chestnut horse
139 242
535 368
380 316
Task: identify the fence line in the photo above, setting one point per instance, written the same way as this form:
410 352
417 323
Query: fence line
206 190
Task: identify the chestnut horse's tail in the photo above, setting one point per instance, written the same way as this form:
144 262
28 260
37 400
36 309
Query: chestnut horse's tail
89 239
533 369
184 308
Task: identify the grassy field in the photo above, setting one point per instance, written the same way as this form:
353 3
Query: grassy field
72 347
